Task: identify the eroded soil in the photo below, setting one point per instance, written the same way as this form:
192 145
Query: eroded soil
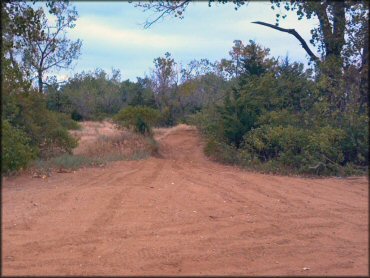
181 214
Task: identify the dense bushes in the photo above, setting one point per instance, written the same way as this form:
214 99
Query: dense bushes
47 130
30 130
297 149
280 120
140 119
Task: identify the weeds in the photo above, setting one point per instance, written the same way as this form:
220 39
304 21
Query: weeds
119 146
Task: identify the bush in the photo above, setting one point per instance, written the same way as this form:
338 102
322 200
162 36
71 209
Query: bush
300 150
139 118
268 142
76 116
16 150
67 122
222 152
167 117
58 141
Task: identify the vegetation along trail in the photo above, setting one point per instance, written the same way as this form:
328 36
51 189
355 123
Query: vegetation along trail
180 213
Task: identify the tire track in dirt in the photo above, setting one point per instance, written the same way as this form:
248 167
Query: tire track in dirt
184 214
108 213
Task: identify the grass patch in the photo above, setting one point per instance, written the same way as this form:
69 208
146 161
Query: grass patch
67 162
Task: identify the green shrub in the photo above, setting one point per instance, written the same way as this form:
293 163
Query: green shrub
16 150
222 152
267 142
281 117
76 116
300 150
355 145
140 119
59 141
67 122
46 129
167 117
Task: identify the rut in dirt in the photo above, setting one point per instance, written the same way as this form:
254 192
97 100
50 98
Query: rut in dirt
181 213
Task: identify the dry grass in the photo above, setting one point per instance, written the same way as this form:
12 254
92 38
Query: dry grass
99 143
124 144
102 139
162 132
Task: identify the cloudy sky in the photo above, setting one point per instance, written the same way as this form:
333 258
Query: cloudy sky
114 37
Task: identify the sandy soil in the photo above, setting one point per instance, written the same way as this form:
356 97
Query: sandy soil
181 214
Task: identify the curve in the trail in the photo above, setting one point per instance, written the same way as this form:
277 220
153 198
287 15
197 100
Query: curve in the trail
180 213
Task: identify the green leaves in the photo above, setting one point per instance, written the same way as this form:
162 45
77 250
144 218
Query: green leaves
140 119
16 150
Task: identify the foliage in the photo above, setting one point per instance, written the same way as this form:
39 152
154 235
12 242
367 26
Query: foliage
97 95
297 149
38 44
279 120
140 119
16 151
67 122
47 130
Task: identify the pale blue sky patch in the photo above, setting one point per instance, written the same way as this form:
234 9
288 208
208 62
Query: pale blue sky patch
113 35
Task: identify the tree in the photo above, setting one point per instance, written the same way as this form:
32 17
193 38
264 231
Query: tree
336 18
341 38
164 78
39 43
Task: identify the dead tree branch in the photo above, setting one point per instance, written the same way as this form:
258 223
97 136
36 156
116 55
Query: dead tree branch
295 34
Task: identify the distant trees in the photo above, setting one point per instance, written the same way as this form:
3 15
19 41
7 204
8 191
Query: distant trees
138 118
95 95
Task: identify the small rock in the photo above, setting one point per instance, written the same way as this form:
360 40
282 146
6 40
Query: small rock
306 268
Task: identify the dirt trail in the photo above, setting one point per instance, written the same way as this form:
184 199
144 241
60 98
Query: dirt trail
183 214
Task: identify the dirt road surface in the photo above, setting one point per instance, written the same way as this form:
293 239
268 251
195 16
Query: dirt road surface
181 214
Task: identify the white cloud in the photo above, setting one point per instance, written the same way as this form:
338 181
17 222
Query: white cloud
98 32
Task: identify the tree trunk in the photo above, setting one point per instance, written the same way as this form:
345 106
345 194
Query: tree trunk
40 83
364 85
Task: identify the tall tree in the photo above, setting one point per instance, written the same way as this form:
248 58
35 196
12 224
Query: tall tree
39 42
164 78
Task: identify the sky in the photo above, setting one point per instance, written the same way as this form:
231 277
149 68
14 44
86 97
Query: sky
113 35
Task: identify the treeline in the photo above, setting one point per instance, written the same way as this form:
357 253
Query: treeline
254 110
174 90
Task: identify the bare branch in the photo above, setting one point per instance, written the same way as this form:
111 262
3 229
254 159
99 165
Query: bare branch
163 8
295 34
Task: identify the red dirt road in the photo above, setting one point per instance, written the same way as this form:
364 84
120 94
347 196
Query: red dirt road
182 214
